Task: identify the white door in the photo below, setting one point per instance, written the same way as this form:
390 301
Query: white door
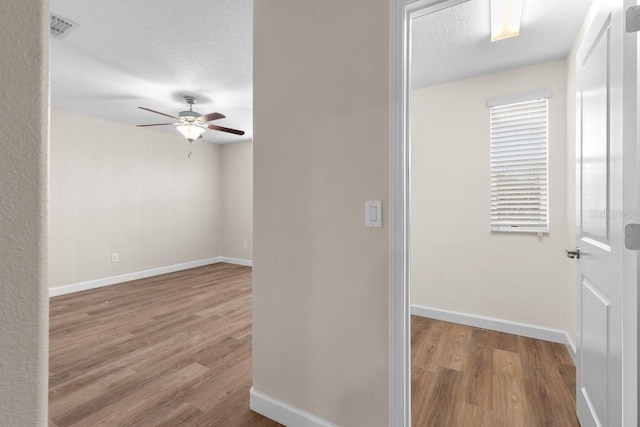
601 218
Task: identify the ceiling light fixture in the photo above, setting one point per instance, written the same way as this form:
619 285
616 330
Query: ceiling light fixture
505 19
191 131
192 127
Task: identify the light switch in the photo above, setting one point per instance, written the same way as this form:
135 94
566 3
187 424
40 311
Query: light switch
373 213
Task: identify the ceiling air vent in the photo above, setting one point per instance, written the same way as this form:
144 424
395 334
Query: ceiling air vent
61 27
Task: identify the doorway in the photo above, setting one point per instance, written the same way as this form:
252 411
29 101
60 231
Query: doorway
401 222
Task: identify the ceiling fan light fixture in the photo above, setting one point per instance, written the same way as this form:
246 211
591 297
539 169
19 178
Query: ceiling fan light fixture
190 131
505 19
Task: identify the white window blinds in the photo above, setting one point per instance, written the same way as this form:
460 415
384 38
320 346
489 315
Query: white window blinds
519 166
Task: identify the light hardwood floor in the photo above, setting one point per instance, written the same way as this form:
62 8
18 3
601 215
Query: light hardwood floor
175 350
463 376
172 350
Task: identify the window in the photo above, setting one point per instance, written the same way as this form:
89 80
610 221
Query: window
519 163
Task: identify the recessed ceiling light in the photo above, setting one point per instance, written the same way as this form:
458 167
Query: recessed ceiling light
505 19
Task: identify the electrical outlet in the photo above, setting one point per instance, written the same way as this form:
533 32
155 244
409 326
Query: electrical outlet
114 257
246 245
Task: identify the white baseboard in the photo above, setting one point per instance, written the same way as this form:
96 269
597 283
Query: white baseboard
499 325
107 281
282 412
237 261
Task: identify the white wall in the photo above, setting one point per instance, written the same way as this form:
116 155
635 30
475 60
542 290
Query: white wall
457 264
24 307
320 150
237 200
134 191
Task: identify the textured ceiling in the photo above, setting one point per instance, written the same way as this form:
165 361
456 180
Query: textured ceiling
454 43
150 53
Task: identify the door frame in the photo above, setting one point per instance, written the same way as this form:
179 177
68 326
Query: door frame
631 203
401 14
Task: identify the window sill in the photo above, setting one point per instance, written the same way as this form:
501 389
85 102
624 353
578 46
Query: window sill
520 230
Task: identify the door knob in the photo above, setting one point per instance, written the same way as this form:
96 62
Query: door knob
573 253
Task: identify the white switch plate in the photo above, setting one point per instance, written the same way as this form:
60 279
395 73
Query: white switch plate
114 257
373 213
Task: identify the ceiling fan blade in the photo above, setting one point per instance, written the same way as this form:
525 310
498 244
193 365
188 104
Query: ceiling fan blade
155 124
224 129
158 112
212 116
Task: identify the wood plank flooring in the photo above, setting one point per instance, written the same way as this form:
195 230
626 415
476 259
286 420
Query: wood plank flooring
464 376
175 350
172 350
